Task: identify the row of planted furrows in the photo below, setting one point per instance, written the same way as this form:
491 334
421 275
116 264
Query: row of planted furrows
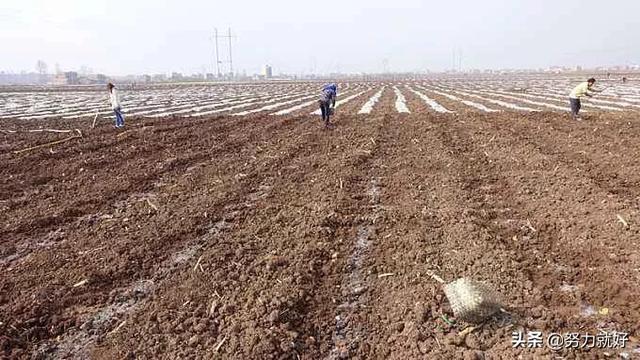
285 99
455 98
183 102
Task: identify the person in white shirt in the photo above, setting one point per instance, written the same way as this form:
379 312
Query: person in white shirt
583 89
115 105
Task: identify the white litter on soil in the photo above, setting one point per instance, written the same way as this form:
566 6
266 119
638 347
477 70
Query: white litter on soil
401 105
297 107
273 106
518 98
466 102
432 103
342 102
497 102
368 106
593 102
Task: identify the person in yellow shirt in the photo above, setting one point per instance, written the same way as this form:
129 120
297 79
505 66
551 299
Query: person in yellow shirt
583 89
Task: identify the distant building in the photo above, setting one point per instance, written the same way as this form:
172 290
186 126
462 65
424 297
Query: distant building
66 78
159 77
101 78
554 69
83 80
21 78
72 77
267 72
59 79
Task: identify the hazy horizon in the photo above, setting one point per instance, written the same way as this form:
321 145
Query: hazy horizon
118 37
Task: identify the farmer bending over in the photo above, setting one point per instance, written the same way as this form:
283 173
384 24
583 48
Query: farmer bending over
328 102
583 89
115 105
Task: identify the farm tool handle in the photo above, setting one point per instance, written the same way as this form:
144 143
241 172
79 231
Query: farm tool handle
78 135
435 277
93 125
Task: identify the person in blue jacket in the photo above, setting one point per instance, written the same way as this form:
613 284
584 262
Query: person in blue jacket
327 102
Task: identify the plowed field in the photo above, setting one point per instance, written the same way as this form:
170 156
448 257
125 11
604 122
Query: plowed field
257 237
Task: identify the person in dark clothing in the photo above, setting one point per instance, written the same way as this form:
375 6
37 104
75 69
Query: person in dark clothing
327 102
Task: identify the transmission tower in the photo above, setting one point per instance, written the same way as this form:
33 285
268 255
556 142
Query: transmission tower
230 54
229 38
215 39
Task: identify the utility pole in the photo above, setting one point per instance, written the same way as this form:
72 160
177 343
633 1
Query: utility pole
453 61
230 54
215 36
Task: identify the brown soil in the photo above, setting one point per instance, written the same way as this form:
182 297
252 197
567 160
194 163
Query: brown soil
385 105
266 237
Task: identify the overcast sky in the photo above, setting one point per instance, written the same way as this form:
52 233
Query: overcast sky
121 37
